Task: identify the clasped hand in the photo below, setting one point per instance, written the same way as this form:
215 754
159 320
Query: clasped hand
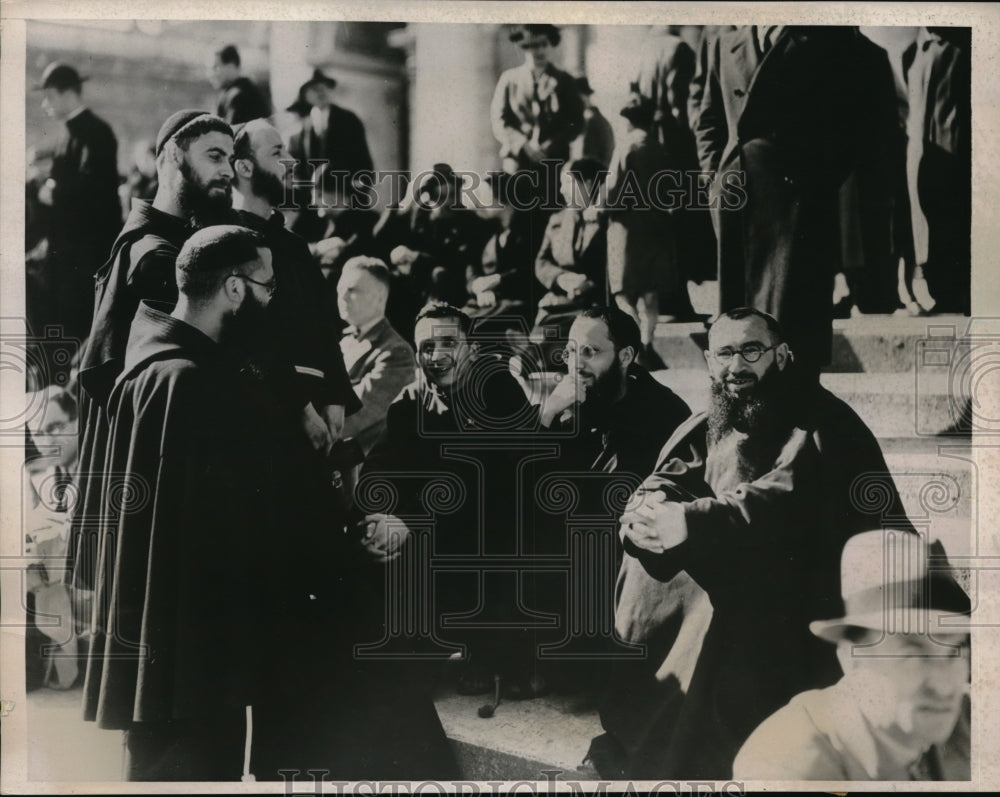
653 523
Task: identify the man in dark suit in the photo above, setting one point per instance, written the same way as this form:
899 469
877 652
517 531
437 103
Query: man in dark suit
597 140
379 362
239 98
783 119
82 192
329 133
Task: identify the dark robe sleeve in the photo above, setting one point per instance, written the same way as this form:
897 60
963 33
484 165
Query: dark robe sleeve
760 522
397 450
151 274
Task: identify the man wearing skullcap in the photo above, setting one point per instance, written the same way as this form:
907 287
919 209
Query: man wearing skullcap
82 192
186 521
192 161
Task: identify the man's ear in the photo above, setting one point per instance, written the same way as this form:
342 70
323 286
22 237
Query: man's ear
845 656
626 356
173 154
243 167
232 289
782 355
473 350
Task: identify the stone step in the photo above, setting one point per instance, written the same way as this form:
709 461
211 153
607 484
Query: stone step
930 486
523 739
533 740
873 344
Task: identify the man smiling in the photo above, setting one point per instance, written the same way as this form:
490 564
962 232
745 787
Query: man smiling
775 461
464 399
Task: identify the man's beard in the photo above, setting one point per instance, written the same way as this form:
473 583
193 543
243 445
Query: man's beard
248 330
197 203
762 414
604 390
267 186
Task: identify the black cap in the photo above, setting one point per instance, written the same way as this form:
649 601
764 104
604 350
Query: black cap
61 77
300 107
182 119
583 85
317 77
640 111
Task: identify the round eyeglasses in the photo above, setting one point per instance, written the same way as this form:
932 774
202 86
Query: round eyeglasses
268 286
585 352
750 353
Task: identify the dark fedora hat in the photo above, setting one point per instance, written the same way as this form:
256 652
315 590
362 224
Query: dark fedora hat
640 111
317 78
60 76
583 85
301 106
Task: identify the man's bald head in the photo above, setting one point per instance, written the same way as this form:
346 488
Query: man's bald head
258 152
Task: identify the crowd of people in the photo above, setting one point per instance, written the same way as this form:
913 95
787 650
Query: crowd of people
292 409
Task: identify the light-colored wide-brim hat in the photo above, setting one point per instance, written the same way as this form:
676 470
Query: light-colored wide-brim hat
897 582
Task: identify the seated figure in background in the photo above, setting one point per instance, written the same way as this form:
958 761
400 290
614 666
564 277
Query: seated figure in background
500 285
379 362
428 242
572 262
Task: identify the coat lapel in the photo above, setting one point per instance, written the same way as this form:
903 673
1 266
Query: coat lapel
745 58
787 40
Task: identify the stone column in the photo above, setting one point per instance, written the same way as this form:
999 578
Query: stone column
454 74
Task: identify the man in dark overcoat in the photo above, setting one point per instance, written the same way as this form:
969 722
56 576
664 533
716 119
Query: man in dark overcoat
784 115
329 133
82 193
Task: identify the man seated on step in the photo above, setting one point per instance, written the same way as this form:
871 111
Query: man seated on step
774 464
609 416
901 711
449 466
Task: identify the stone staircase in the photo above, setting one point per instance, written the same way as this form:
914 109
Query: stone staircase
907 378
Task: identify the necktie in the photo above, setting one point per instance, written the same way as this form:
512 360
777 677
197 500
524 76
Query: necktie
578 236
767 34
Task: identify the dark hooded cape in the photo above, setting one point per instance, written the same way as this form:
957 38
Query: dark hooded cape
141 266
185 514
